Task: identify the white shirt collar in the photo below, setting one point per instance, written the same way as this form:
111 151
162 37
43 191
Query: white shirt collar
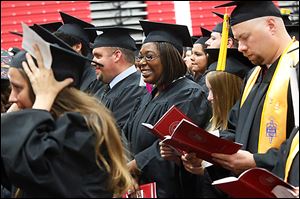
132 69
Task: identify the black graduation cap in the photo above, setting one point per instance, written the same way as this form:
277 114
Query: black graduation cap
205 36
52 27
201 40
65 64
219 27
247 10
205 32
115 37
138 47
194 38
236 62
49 37
75 27
177 35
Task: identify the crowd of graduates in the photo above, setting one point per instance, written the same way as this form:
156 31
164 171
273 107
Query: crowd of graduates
75 130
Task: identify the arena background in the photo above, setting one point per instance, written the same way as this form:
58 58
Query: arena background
109 13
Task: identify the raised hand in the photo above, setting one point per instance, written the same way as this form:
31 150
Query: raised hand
43 82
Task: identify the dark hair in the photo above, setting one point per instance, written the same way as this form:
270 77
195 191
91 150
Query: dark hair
5 92
173 64
185 49
128 54
235 42
73 40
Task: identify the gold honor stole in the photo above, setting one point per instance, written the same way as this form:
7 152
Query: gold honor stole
273 119
293 151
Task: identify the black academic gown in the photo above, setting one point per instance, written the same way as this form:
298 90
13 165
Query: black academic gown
283 153
50 158
245 122
187 96
94 86
248 125
88 76
120 99
279 169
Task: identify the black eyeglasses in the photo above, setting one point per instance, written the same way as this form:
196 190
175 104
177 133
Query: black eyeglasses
148 58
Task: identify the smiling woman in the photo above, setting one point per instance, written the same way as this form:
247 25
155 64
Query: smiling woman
161 64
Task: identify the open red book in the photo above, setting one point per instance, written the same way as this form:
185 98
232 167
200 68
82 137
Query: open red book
145 191
167 123
178 131
188 137
252 183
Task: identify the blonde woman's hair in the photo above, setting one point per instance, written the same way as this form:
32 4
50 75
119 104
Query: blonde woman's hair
100 121
226 89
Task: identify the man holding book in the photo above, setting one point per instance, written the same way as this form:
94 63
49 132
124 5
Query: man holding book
265 116
264 40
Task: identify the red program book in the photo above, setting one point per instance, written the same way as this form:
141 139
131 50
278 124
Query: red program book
167 123
252 183
145 191
188 137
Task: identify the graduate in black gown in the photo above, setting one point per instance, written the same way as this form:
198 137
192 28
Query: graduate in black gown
264 114
214 42
161 64
74 34
199 58
57 142
280 169
114 51
224 91
216 34
287 166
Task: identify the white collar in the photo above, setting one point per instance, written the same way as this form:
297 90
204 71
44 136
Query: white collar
132 69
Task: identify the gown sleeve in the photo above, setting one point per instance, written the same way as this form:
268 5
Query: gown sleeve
122 105
43 155
191 102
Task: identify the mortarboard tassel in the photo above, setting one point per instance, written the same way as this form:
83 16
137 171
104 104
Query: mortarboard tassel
223 48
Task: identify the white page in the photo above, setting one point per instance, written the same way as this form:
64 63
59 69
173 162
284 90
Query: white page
225 180
283 192
149 126
29 38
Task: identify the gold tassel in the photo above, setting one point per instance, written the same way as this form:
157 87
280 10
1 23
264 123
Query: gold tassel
18 193
224 41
